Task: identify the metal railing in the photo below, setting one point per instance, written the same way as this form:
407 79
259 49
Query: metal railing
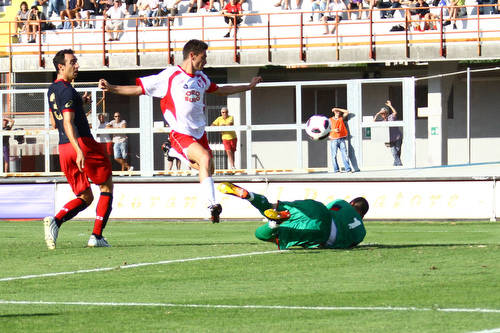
263 31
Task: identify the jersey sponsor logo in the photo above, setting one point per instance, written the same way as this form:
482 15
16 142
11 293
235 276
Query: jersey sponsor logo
69 104
55 110
185 86
335 208
192 96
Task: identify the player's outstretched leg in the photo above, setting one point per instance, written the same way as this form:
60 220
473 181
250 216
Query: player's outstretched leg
276 215
231 189
258 201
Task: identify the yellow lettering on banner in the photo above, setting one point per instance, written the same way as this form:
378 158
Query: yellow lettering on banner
170 202
121 203
380 201
154 201
190 202
452 203
399 198
279 191
136 202
310 193
434 199
416 200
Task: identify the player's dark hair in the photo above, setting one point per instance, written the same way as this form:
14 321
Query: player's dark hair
361 205
59 58
194 45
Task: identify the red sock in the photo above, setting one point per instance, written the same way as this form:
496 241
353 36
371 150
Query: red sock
70 210
102 212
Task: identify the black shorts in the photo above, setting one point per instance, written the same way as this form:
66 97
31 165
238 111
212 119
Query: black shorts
130 2
228 19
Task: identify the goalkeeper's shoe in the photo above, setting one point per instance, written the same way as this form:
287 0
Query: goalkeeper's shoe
51 231
97 242
215 211
277 216
231 189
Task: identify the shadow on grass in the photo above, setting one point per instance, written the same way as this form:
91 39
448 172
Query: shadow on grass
16 315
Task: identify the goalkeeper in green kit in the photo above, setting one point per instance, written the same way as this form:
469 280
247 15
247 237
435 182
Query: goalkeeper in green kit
307 223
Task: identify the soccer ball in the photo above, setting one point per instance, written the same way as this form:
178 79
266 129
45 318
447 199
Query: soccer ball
318 127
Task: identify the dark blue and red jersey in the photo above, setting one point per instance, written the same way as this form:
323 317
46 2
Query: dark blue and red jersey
64 98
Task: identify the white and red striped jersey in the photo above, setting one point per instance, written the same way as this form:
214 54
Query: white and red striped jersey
181 98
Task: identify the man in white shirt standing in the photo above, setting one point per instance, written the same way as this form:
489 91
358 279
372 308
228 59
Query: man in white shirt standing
120 142
181 89
114 22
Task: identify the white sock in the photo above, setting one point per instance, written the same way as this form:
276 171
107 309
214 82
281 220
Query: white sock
208 185
250 196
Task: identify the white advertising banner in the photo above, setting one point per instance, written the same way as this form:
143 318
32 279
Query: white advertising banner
388 200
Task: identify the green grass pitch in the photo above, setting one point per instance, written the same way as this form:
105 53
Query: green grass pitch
405 277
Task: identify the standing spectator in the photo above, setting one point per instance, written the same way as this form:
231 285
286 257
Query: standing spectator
7 124
231 11
335 8
229 138
34 23
338 138
318 5
182 89
114 22
120 142
105 139
166 146
21 17
80 156
395 135
353 5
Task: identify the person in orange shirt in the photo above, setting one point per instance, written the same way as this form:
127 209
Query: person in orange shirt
337 137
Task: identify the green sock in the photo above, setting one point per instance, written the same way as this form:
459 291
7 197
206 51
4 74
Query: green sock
260 202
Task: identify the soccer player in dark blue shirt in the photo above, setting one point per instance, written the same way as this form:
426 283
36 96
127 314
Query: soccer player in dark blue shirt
80 156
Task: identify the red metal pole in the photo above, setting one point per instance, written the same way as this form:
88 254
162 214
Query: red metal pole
372 53
478 32
269 56
302 56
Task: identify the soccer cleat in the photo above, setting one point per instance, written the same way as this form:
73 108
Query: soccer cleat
231 189
215 211
97 242
277 216
51 231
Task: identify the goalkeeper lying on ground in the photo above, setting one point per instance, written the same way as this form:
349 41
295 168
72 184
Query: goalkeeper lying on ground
307 223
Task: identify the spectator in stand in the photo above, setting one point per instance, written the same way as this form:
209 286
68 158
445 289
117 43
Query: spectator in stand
381 4
143 12
229 138
72 12
21 17
89 8
33 24
425 15
338 138
120 141
114 22
457 10
231 12
195 6
318 5
166 146
103 6
7 124
55 8
133 4
105 139
44 5
335 8
286 4
170 8
395 135
154 6
355 5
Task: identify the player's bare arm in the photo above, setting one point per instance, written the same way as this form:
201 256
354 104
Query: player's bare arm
119 90
69 129
228 90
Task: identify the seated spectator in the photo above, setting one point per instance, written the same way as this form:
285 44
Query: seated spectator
388 4
34 25
231 11
104 5
89 8
425 15
133 4
169 8
114 20
195 6
72 11
335 8
22 17
286 4
488 2
457 10
353 5
143 11
43 4
154 7
318 5
55 8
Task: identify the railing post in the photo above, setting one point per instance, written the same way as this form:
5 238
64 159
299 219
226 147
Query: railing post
137 59
269 56
407 28
302 56
478 32
235 39
104 57
372 51
337 51
442 50
170 59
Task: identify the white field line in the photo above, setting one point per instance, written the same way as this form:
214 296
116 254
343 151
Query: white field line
264 307
164 262
493 330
